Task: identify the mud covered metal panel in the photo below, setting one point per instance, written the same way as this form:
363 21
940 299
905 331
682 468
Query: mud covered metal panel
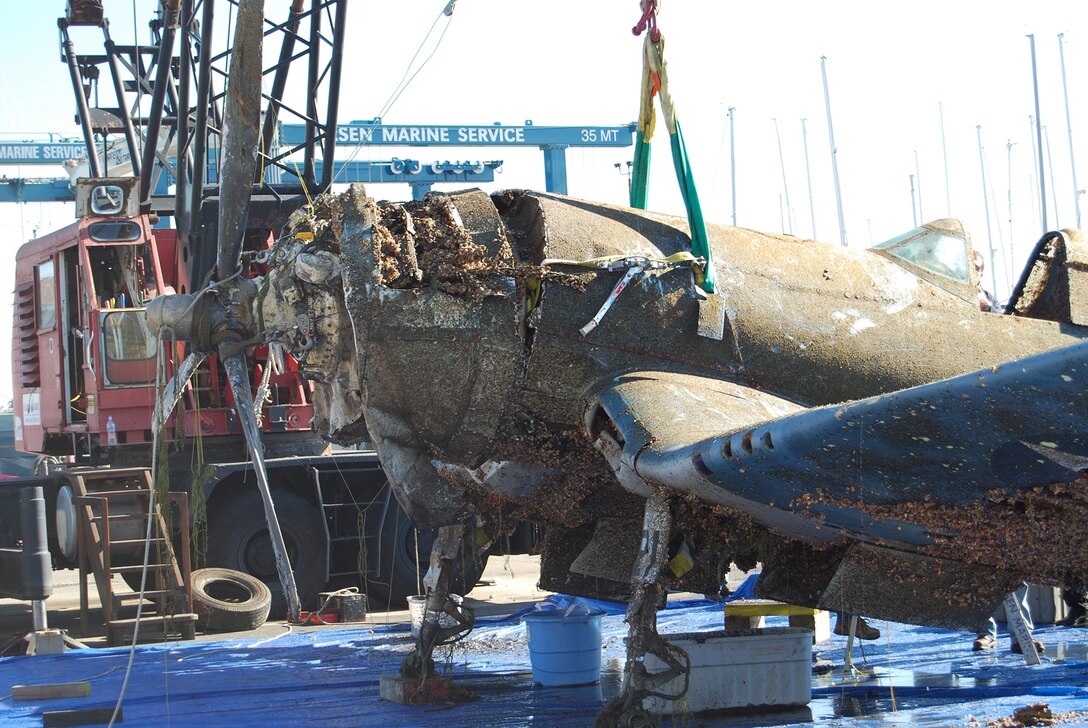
797 573
416 405
660 417
579 229
653 322
612 551
1013 426
452 404
1077 263
482 223
561 547
900 587
664 410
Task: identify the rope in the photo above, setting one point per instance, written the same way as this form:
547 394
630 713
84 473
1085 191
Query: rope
262 390
147 535
403 85
346 591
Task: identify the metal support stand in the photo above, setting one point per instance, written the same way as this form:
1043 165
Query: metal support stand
37 574
40 620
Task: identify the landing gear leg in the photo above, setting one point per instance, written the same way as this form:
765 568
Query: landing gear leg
648 591
440 611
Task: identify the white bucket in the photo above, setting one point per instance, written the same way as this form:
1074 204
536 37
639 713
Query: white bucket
417 605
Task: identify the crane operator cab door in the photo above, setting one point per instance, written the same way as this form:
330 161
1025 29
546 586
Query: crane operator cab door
61 400
39 409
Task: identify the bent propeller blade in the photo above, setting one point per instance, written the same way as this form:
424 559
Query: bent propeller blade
241 135
238 376
171 393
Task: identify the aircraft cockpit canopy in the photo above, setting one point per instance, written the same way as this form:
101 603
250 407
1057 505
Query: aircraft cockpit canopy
939 252
939 247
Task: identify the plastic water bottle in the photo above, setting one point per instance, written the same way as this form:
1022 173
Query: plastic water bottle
111 432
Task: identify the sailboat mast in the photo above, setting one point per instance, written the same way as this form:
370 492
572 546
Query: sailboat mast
1038 134
1069 127
834 152
986 205
785 185
808 175
944 151
732 166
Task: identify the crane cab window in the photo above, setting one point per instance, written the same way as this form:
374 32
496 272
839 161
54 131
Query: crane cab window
110 231
46 287
129 348
107 200
939 248
123 276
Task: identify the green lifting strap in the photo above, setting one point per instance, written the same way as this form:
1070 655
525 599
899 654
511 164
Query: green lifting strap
640 172
655 83
700 242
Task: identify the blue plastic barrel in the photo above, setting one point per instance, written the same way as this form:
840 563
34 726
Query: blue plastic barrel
565 649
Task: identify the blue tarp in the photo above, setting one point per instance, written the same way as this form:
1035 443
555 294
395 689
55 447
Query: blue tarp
330 678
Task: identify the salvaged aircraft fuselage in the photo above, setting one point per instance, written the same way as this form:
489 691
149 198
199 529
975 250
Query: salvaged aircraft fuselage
848 418
852 419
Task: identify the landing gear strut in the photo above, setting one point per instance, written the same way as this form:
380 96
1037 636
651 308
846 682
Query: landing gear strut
444 621
648 592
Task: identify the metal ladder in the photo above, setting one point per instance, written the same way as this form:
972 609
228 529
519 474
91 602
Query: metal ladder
111 503
350 518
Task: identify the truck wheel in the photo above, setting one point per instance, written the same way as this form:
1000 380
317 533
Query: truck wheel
229 601
238 539
399 572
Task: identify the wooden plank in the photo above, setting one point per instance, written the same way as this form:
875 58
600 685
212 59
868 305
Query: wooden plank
46 691
86 716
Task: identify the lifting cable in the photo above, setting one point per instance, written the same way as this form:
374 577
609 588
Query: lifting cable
655 82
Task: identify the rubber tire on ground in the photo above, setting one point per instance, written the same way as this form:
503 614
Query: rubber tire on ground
398 562
229 601
238 539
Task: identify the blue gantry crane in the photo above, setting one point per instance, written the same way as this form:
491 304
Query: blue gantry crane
420 176
553 141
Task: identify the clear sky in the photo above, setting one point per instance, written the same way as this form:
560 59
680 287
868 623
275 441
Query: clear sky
890 69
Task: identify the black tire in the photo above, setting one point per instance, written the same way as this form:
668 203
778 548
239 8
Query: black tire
238 539
400 576
229 601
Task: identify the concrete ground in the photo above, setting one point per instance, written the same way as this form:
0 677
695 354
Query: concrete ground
507 584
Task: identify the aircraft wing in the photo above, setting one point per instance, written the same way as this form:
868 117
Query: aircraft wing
821 473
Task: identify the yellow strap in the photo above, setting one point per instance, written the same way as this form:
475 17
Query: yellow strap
654 61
